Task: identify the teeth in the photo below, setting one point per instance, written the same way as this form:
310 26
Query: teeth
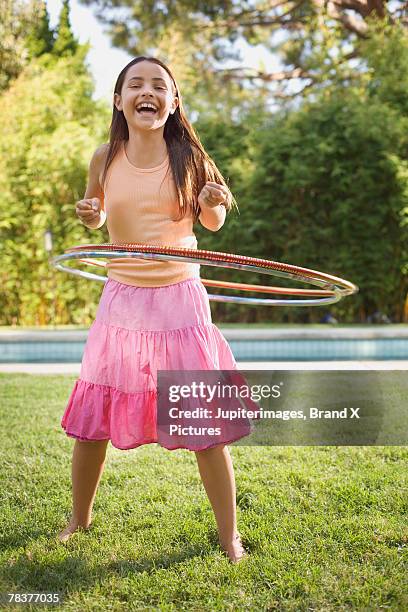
146 105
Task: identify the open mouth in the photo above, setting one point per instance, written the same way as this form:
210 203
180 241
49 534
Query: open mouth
146 110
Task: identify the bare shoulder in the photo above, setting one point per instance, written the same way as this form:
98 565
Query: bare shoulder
103 149
101 153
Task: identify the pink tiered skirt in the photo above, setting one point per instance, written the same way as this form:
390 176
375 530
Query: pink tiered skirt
137 331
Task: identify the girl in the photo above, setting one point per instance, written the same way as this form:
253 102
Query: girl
151 183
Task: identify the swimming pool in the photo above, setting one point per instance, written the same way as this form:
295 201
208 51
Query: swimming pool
259 344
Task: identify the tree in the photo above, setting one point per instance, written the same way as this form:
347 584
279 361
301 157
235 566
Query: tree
330 187
16 19
65 44
318 42
326 187
50 126
40 39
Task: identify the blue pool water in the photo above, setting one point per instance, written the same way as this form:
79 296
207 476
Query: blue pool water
47 350
320 349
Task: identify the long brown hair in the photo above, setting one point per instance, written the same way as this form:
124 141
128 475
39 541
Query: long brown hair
191 166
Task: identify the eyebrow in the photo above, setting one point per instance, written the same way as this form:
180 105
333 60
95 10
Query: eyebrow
142 79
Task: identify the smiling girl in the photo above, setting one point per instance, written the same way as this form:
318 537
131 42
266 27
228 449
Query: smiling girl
150 184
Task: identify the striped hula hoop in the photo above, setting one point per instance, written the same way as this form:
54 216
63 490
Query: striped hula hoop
332 288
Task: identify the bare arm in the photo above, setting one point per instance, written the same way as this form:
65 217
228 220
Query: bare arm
212 218
211 200
91 218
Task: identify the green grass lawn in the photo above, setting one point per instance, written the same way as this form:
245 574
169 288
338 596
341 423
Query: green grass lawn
326 527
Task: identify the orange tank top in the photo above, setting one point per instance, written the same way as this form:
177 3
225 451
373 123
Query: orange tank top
140 204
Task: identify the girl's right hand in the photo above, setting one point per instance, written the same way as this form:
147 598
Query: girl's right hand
88 211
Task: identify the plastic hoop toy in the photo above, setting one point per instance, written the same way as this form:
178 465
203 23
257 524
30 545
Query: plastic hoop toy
332 289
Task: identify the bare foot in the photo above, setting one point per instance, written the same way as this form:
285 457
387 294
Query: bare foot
235 550
71 528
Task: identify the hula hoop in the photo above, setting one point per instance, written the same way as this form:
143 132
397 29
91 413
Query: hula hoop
332 289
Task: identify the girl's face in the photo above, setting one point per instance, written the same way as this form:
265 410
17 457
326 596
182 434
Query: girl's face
146 82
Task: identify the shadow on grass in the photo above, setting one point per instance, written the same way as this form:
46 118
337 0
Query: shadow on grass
154 562
20 539
29 574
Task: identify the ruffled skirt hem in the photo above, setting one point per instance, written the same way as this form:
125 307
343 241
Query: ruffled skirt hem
97 412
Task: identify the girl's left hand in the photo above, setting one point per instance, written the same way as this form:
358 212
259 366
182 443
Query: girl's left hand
212 195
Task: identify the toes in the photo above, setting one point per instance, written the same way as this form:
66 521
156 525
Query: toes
236 551
64 536
69 531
